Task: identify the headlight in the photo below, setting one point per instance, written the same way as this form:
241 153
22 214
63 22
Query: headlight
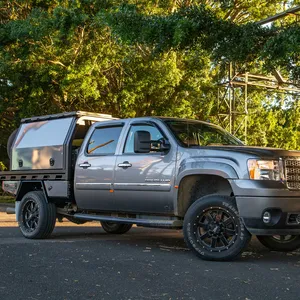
264 169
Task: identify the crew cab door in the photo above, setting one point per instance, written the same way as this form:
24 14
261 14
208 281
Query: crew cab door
94 169
144 182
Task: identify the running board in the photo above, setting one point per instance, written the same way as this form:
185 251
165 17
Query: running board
175 223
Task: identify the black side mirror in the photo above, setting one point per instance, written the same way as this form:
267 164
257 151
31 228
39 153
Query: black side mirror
165 145
142 141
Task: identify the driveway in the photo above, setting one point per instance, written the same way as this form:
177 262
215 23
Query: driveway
83 262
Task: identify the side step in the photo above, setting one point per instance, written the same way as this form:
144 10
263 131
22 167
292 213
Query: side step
164 223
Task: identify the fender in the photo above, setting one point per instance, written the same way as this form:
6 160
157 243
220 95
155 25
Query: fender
28 186
201 165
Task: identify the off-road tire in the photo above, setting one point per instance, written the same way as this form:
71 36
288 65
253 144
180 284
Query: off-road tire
36 217
213 229
115 228
280 244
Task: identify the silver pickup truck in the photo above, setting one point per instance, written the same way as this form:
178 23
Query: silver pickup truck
154 172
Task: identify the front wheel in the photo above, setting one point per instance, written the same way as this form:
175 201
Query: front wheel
213 229
115 228
36 217
283 243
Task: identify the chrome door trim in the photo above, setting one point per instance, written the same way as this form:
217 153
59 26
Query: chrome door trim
93 186
159 187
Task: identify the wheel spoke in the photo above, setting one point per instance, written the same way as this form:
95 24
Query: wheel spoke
214 241
202 224
210 217
205 235
230 231
227 222
36 213
224 240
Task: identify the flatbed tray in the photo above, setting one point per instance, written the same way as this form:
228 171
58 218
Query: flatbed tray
32 175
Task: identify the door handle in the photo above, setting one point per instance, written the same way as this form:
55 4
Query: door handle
125 164
84 165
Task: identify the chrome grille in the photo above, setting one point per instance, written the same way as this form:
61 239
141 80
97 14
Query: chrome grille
292 172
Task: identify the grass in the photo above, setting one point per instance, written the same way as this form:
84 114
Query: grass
6 199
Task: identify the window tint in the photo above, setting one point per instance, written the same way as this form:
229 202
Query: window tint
104 140
154 133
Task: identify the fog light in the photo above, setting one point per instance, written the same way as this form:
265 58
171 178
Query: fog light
298 219
266 217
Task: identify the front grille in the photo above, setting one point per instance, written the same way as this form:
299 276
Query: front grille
292 172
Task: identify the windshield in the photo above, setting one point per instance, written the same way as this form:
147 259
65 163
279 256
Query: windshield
195 134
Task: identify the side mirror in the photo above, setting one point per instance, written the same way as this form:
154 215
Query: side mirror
165 145
142 141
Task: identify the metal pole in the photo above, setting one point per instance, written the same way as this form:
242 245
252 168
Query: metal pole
246 107
230 98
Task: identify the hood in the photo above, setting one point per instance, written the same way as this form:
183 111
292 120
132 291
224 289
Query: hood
262 152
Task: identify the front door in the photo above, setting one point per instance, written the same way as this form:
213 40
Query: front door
94 169
144 182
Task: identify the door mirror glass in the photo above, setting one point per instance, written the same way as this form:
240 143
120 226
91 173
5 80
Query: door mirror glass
142 141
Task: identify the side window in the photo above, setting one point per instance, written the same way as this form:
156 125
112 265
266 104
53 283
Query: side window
104 140
154 133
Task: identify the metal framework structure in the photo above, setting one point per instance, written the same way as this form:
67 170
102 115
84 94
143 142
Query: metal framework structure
233 91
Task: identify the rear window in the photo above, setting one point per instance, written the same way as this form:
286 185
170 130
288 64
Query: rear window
104 140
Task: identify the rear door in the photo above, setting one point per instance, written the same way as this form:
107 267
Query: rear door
144 182
94 171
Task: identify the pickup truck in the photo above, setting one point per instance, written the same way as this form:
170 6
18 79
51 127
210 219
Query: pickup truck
154 172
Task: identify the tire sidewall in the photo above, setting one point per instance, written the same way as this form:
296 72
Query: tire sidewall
227 203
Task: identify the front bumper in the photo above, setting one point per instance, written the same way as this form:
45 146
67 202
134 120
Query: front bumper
253 198
251 210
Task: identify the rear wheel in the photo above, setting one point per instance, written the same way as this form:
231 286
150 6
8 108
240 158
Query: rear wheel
36 217
282 243
213 229
115 228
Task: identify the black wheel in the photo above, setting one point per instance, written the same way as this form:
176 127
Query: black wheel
36 217
116 228
280 242
213 229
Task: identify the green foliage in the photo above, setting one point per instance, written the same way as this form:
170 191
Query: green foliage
191 25
162 59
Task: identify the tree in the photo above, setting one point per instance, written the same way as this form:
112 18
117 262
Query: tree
61 55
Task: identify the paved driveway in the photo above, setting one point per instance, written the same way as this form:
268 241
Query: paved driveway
83 262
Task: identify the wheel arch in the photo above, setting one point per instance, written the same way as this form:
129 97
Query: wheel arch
195 186
30 186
